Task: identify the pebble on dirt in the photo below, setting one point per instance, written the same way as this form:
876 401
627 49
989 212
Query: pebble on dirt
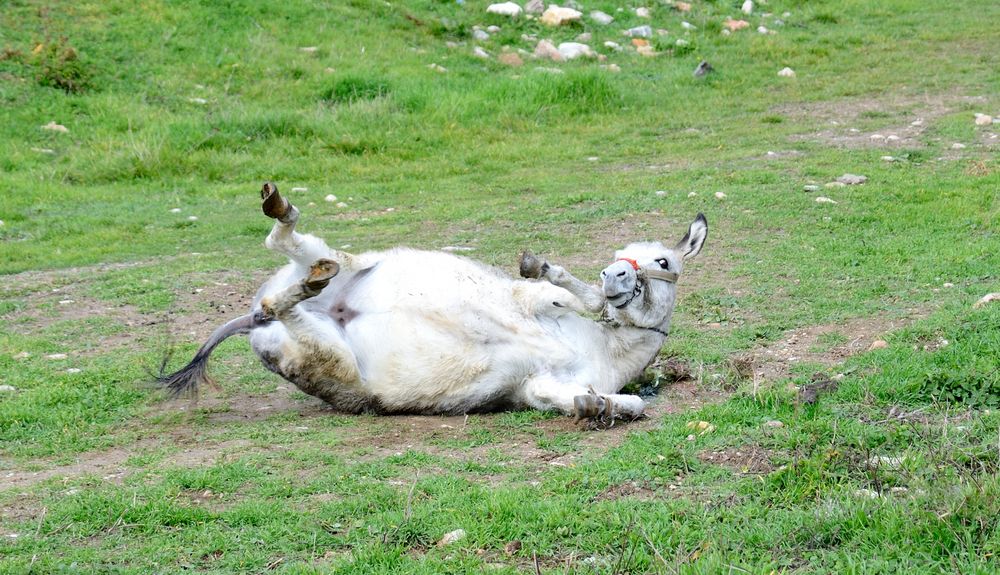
983 119
786 72
774 423
878 344
644 31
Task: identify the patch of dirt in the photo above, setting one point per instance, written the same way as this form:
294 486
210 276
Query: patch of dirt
901 119
804 345
640 491
745 460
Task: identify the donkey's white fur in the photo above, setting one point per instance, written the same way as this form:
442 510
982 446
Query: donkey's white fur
430 332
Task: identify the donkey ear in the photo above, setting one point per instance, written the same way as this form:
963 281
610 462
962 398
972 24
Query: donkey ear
694 238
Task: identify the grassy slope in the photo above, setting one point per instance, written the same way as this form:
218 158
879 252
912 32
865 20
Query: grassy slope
497 158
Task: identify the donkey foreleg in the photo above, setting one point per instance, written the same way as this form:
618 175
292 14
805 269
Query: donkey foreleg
545 391
590 296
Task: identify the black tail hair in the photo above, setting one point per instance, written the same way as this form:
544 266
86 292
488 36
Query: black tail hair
188 378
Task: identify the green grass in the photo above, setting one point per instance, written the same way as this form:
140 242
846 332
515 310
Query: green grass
192 105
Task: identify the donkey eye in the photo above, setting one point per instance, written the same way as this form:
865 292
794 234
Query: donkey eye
663 263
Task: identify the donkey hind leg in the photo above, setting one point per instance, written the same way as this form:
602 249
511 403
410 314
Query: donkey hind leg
303 249
532 267
544 391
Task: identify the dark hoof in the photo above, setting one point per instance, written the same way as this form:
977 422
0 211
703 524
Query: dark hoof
587 406
273 204
532 267
320 274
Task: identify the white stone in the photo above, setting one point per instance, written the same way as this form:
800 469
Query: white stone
43 150
601 18
56 356
341 205
74 370
478 52
494 29
986 299
574 50
824 200
437 68
957 146
681 42
611 68
876 137
774 424
585 37
300 189
692 194
613 45
330 198
557 16
786 72
688 26
720 195
888 159
505 9
763 30
480 35
548 70
852 179
534 7
661 193
54 127
810 188
66 301
7 388
309 49
175 210
866 494
747 7
643 12
983 119
199 101
644 31
892 138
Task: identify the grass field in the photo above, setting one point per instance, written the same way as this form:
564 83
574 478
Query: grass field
138 228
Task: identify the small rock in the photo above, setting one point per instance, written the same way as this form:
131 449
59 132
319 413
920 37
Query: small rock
774 424
548 70
611 68
574 50
852 179
341 205
66 301
643 12
22 355
480 35
451 537
834 185
56 356
983 119
592 158
763 30
786 72
810 188
510 59
682 6
888 159
886 461
547 50
73 370
601 18
199 101
688 26
613 45
644 31
309 49
512 547
691 437
947 285
7 388
878 344
747 7
300 189
640 42
506 9
585 37
892 138
330 198
557 16
478 52
52 126
493 29
735 25
702 427
703 69
957 146
437 68
986 299
692 194
43 150
720 195
866 494
175 210
192 218
824 200
534 7
661 193
917 122
898 490
681 42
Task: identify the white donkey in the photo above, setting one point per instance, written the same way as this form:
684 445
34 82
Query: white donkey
408 331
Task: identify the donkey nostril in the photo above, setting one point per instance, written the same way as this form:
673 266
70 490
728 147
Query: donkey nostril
621 274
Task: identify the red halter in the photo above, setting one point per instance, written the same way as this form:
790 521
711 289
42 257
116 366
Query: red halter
635 264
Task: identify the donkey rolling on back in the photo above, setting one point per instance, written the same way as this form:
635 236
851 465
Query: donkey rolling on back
408 331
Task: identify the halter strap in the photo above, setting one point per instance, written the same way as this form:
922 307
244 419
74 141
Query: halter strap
662 275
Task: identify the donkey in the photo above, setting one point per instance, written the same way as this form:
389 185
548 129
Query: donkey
423 332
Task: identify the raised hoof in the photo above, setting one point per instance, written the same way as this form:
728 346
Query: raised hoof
274 204
320 274
532 267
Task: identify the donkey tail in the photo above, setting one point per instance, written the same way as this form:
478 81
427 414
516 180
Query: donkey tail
191 375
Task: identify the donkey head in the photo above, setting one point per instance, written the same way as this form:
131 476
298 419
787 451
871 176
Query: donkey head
640 284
